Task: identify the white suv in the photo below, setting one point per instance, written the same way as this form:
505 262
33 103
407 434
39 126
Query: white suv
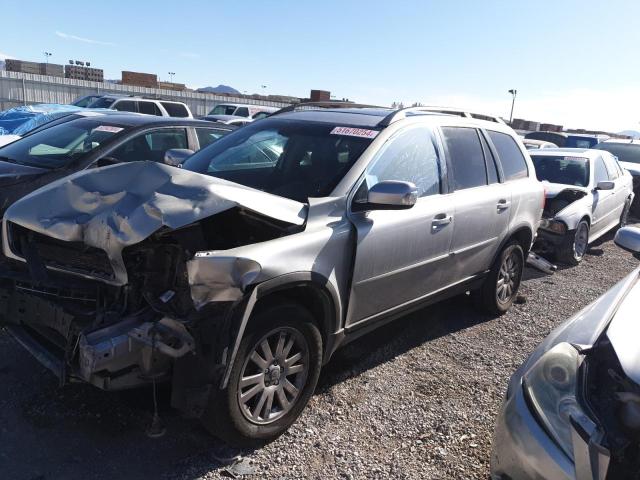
149 106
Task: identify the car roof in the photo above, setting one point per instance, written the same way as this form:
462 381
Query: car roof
622 140
141 120
569 152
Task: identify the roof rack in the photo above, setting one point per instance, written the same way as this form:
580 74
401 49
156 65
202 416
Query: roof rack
321 105
402 113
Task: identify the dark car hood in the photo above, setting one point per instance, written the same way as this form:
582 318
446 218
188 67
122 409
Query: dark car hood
11 173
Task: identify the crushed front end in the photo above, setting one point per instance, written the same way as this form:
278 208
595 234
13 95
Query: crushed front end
553 226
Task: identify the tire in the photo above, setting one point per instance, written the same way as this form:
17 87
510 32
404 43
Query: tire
574 246
494 296
624 217
235 414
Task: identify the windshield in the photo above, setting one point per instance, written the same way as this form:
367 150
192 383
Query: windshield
561 169
59 145
102 102
84 101
223 110
626 152
293 159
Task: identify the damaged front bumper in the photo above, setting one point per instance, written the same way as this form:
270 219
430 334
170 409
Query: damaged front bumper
550 236
127 352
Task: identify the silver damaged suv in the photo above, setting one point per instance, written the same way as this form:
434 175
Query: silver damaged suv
236 277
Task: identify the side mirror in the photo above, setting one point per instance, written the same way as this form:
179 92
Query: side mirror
175 157
605 185
106 161
391 195
628 238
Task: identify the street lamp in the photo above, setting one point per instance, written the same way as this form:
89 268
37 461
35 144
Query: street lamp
264 88
513 93
171 74
47 55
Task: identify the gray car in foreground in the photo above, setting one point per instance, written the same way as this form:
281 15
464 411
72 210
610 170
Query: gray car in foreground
572 410
237 276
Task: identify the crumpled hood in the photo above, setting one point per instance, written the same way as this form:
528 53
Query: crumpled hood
553 189
113 207
624 334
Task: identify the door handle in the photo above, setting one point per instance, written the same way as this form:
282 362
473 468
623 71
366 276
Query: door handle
441 220
503 204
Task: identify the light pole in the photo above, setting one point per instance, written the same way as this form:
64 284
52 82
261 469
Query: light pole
264 88
47 55
171 74
513 93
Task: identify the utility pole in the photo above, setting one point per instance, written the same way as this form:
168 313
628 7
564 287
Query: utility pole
513 93
171 74
46 56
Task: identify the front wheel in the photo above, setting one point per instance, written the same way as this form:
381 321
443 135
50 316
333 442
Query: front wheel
574 245
500 288
273 377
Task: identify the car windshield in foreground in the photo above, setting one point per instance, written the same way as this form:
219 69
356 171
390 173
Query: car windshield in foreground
562 169
57 146
293 159
626 152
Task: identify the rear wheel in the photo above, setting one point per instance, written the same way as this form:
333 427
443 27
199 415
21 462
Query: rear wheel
500 288
273 377
574 245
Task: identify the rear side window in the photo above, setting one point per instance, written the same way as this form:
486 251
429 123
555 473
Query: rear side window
466 157
514 166
408 156
175 109
150 108
610 163
126 106
242 112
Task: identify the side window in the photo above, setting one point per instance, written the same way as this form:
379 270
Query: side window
600 173
151 146
410 156
260 153
175 109
207 136
513 163
492 169
466 157
150 108
260 115
242 112
126 106
611 166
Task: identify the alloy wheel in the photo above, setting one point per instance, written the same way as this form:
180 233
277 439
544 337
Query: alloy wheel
508 277
581 240
273 375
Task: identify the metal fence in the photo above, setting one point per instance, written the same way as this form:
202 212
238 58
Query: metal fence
25 88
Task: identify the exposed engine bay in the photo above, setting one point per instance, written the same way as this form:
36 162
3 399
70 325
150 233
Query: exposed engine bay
562 200
615 402
118 337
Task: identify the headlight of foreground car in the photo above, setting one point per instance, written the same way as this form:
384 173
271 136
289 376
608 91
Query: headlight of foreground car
554 226
550 386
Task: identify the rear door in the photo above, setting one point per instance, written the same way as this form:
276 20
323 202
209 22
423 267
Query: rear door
482 204
402 255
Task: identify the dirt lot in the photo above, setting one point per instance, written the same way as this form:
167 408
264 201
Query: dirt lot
416 399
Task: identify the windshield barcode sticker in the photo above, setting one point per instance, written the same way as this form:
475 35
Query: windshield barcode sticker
355 132
108 128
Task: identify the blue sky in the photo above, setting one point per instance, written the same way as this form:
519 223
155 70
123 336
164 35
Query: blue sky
572 62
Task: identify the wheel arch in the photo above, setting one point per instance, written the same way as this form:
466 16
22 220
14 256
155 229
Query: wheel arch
311 290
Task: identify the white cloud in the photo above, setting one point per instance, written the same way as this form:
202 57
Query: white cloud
4 56
67 36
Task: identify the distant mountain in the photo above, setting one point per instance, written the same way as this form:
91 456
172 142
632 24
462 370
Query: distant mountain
219 89
631 133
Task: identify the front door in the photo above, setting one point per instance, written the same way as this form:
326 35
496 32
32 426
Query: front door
605 213
402 256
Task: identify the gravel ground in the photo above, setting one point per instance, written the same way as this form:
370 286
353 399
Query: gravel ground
415 399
